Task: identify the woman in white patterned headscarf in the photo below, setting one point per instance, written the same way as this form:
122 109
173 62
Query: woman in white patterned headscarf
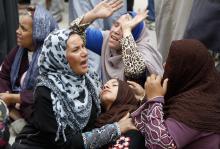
67 92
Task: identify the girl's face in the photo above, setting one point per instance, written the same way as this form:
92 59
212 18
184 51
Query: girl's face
109 93
77 55
24 32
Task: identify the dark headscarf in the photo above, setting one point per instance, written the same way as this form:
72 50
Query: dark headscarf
43 24
193 93
125 102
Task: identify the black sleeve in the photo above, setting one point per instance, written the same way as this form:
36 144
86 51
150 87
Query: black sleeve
44 120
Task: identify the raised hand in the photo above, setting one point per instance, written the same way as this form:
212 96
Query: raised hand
105 9
154 88
128 23
137 89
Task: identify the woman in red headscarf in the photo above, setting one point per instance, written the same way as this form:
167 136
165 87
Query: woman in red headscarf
183 112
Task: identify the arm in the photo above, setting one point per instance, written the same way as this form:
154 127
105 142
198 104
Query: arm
45 121
101 11
132 58
5 71
151 124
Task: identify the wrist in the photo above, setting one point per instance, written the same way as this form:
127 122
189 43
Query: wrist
126 32
90 16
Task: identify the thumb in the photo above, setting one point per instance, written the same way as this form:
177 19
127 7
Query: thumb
165 85
7 92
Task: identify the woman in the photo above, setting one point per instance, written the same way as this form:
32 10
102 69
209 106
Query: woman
126 50
34 26
118 100
191 104
66 95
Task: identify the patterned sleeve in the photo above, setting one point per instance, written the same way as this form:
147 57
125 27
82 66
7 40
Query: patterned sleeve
132 58
151 124
101 136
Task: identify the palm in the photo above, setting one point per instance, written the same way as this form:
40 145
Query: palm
138 18
106 9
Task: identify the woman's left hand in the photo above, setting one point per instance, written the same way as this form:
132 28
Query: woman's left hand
153 86
9 98
137 89
128 23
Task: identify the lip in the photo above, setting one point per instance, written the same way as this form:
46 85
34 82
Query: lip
84 64
104 91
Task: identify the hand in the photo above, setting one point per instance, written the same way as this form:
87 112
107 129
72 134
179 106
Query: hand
105 9
10 98
14 114
6 97
153 86
126 124
128 23
137 89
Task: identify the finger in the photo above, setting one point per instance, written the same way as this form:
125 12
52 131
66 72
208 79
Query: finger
131 83
158 78
165 85
115 8
115 3
7 91
126 116
153 77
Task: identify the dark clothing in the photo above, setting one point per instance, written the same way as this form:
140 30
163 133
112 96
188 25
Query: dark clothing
192 95
136 140
130 5
26 95
8 26
41 132
151 10
204 22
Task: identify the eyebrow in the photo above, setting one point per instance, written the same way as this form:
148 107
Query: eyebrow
23 27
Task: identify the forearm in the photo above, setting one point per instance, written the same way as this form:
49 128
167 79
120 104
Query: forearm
151 124
101 136
132 58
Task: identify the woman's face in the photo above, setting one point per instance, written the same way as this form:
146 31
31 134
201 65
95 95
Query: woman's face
109 92
24 33
77 55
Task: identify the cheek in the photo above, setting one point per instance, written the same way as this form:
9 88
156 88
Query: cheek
73 60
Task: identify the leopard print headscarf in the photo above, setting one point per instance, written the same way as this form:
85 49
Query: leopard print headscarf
72 95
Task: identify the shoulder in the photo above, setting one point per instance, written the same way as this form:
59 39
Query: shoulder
42 92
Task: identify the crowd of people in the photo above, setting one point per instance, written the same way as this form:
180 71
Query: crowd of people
100 83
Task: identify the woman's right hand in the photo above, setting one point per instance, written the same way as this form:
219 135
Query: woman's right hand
105 9
126 124
153 86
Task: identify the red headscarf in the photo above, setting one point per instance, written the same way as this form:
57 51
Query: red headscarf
124 103
193 93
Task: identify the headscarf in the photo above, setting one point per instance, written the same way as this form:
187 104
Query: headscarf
193 92
125 102
72 95
43 24
112 65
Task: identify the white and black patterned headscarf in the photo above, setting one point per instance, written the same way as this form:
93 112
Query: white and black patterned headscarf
72 95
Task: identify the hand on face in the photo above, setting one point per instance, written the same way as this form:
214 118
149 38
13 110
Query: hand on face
137 89
153 86
105 9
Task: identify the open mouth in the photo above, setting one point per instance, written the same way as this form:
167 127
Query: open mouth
84 63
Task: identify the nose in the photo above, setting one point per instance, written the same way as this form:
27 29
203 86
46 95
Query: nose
105 86
84 52
18 31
